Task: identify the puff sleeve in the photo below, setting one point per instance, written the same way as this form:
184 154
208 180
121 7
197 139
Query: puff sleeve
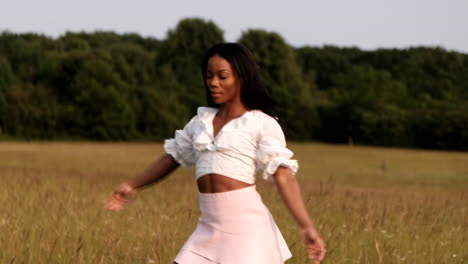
272 151
181 146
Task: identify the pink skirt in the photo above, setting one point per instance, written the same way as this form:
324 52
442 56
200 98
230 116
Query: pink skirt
234 227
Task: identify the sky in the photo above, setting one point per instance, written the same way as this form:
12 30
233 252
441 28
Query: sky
366 24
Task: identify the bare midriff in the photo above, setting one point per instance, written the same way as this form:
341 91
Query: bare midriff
215 183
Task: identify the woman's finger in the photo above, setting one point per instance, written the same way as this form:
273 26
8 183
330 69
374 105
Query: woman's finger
316 252
116 202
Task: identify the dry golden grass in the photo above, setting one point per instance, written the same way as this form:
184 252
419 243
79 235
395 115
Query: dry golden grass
372 205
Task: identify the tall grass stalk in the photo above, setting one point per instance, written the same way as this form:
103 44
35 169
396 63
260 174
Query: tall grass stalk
372 205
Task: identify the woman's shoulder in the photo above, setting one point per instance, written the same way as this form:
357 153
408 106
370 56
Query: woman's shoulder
204 110
202 119
263 119
254 119
203 113
267 126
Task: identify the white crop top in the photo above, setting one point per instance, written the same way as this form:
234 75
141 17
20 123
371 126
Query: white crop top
244 145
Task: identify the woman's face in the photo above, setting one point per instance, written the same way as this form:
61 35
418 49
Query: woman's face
222 81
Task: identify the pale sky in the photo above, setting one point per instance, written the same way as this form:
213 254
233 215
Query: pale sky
367 24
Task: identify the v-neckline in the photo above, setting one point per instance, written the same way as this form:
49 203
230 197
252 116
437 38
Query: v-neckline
227 123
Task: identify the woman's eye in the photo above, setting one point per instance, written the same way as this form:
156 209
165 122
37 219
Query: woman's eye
223 77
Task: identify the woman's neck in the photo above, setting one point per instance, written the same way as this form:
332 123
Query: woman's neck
232 110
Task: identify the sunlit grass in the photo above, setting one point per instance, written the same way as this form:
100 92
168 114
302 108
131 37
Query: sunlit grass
372 205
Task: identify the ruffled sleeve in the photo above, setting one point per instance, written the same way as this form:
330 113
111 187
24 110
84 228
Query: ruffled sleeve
181 146
272 151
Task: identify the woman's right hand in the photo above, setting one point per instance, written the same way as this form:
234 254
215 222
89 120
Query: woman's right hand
314 244
120 197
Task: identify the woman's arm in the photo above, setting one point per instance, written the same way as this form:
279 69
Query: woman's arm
157 171
290 192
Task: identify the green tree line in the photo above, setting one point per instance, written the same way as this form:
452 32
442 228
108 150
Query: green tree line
115 87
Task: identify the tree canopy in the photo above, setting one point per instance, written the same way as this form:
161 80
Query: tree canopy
108 86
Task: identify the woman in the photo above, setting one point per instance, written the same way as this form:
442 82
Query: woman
228 142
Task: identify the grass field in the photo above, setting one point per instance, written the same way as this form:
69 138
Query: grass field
372 205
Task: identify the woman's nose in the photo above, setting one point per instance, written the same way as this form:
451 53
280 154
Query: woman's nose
212 82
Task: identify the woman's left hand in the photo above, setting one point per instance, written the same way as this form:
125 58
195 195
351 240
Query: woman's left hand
314 244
